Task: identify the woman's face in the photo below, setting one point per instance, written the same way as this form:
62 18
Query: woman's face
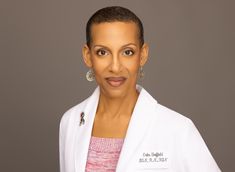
115 56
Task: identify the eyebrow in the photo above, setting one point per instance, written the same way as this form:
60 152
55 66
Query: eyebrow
121 46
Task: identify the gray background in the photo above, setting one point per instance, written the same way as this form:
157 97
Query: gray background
190 70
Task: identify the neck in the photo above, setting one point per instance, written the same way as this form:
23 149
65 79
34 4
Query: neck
114 108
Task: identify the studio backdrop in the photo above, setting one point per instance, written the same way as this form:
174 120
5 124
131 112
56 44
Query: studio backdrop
190 70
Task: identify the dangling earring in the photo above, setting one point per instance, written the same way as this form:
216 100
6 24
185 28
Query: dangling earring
141 73
90 76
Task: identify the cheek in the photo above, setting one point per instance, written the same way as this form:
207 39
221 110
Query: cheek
99 66
133 66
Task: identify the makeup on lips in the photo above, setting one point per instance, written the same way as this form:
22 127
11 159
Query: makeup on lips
115 81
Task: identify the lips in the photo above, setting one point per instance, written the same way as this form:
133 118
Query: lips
115 81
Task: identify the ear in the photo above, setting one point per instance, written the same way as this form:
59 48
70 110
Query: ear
86 55
144 54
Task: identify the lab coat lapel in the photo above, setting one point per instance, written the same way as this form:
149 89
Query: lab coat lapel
83 132
138 125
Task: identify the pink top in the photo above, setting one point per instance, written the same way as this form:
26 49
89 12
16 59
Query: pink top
103 154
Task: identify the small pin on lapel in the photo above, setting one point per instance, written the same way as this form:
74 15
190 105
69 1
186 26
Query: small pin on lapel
82 120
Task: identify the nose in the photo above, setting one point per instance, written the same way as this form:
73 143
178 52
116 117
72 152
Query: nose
115 65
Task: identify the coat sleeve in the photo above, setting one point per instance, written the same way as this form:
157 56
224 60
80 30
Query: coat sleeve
197 156
62 130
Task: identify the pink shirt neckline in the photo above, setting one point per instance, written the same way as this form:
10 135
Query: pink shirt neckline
105 144
103 154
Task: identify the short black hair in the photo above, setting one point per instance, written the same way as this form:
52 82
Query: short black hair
112 14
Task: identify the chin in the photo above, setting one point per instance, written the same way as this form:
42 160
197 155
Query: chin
115 92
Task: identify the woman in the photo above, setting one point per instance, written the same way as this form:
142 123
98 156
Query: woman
121 127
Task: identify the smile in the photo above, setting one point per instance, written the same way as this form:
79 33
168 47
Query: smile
115 81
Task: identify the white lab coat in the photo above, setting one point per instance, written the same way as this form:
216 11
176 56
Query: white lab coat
157 139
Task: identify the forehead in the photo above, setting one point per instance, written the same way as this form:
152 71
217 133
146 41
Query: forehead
110 33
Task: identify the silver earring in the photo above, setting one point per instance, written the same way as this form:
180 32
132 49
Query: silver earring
90 76
141 73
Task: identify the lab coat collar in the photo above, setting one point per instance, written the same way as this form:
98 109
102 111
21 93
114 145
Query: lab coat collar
140 119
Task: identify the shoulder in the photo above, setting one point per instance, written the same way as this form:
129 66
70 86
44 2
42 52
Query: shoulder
72 114
171 115
174 126
174 130
172 120
165 117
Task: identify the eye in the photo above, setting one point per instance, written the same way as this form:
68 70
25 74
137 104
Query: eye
128 52
101 52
